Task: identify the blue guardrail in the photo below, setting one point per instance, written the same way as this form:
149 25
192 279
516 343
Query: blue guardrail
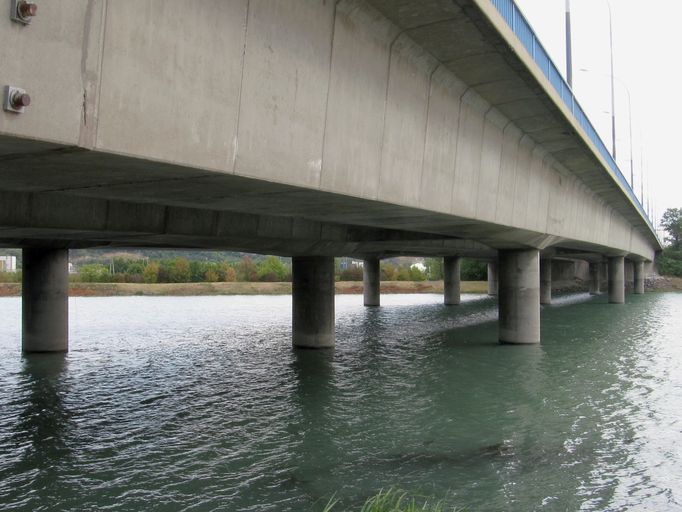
520 26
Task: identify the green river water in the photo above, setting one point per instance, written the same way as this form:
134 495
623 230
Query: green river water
200 404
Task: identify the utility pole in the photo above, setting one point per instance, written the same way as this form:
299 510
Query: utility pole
569 56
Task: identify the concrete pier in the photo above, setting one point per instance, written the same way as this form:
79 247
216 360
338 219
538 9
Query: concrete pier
639 277
493 285
545 281
45 300
451 280
313 301
617 280
371 281
595 281
519 296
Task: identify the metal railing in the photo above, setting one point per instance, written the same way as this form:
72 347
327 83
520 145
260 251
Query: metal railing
520 26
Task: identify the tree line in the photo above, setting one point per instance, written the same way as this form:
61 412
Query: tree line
669 262
268 269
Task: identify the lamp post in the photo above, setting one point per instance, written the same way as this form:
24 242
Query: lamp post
569 57
613 121
613 100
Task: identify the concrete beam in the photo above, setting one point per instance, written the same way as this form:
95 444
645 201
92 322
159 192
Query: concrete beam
45 300
519 296
451 280
313 301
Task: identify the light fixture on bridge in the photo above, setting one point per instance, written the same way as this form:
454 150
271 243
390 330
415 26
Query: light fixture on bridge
16 99
23 11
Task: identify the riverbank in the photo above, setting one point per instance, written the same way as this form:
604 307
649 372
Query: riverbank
237 288
659 284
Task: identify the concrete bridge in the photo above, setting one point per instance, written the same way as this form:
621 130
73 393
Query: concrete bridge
306 128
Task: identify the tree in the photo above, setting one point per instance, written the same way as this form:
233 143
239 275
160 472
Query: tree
272 269
179 271
672 223
473 270
246 269
94 273
150 274
434 268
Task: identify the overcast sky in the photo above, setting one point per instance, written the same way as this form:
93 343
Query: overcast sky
647 39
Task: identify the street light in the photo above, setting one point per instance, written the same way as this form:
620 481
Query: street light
613 126
569 58
613 95
569 71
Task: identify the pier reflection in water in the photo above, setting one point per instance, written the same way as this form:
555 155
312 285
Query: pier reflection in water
201 404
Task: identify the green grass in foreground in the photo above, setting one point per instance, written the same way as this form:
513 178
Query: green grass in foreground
395 500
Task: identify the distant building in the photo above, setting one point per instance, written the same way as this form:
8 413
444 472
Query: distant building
8 263
348 263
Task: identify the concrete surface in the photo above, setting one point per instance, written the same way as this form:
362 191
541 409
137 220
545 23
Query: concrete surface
312 302
371 282
519 297
451 280
45 300
288 127
617 280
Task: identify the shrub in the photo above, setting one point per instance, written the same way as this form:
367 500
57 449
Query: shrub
94 273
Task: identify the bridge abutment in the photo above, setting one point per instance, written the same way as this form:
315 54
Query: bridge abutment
545 281
617 280
451 280
45 300
371 281
493 285
313 301
639 277
519 296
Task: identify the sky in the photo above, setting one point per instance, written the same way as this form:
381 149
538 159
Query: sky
647 43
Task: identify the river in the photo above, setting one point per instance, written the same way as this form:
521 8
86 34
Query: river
199 403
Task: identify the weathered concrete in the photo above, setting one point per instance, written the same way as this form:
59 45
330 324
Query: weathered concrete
371 281
545 281
492 279
519 296
617 280
595 284
313 301
412 116
639 277
451 280
45 300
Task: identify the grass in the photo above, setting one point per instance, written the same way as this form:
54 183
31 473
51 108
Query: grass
396 500
237 288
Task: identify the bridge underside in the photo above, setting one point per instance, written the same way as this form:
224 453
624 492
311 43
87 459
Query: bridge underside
70 197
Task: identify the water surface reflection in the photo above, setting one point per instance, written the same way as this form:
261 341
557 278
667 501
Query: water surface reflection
169 404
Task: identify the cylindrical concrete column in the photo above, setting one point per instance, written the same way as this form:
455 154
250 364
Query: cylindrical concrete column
371 281
639 277
312 301
603 276
594 279
492 279
545 281
617 280
519 296
451 280
45 300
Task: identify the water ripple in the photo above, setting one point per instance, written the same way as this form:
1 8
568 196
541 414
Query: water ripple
198 404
